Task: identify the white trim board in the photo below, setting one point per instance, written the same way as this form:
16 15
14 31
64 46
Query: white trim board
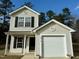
53 20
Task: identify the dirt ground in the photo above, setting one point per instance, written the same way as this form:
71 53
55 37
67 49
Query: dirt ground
8 57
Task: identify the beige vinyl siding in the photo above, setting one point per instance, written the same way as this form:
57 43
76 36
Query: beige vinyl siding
23 13
54 28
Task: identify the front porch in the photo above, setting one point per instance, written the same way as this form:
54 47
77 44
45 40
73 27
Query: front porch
21 43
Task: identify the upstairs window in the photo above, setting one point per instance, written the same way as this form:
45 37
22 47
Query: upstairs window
28 22
24 22
20 21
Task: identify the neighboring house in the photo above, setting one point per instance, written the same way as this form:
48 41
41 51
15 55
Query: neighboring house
52 39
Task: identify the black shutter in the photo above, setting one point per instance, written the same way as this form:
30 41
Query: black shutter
16 21
32 22
15 38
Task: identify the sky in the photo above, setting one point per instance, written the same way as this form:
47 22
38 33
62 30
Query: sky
55 5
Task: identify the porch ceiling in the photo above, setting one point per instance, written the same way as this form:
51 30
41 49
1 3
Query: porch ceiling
19 33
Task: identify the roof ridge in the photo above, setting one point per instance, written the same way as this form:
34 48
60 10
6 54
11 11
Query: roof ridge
24 6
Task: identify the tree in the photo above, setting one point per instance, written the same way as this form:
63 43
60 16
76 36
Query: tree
50 14
66 14
66 18
29 4
5 8
59 18
70 21
77 25
42 18
66 11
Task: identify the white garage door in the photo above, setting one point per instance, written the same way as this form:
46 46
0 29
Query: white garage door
53 46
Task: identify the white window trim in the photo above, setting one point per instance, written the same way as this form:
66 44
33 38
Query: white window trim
17 42
30 21
20 21
24 22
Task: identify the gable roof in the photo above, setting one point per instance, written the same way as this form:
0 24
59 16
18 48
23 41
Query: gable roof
53 20
22 8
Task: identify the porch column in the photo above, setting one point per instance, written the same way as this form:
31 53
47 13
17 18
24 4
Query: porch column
27 46
24 44
11 43
6 46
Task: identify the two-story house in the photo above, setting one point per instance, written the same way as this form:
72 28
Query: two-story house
53 39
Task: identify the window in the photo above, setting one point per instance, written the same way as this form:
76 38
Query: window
28 22
18 42
20 21
24 22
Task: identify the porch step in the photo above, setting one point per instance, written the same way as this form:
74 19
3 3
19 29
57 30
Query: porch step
19 54
28 56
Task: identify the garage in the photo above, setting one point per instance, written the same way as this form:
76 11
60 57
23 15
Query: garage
53 46
54 40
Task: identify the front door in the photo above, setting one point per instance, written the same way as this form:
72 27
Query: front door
32 44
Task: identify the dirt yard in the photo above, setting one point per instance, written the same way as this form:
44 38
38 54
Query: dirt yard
8 57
